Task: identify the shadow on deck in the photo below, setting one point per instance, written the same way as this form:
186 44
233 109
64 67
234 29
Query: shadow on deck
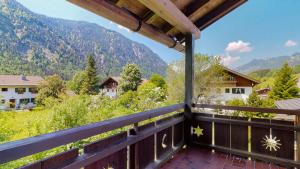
202 158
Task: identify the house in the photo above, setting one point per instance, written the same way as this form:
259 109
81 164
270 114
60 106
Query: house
264 92
18 91
110 85
235 86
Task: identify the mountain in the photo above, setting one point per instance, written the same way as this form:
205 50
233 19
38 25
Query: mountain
270 63
36 44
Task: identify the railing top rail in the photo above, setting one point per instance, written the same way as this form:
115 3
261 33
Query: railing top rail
250 109
29 146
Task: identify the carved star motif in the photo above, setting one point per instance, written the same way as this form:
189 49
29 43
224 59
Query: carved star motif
198 131
271 143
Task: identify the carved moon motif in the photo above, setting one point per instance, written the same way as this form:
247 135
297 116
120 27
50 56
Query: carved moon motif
163 141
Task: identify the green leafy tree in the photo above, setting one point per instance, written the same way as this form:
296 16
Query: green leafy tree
131 78
285 85
207 80
91 81
52 86
150 96
158 80
76 83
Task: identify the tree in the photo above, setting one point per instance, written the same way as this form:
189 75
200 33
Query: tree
285 85
150 96
207 80
131 78
254 100
77 82
158 81
91 82
52 87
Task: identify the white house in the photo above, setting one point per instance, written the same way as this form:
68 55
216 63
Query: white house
235 86
18 91
110 85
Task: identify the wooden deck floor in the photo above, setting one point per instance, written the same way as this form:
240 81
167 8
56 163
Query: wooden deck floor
199 158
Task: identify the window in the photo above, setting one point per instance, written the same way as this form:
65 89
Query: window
24 101
227 90
2 101
4 89
238 90
32 100
33 90
20 90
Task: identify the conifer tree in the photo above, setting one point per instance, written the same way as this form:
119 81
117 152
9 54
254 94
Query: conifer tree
285 86
90 84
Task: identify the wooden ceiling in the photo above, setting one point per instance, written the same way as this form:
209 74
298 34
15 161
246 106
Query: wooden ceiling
165 21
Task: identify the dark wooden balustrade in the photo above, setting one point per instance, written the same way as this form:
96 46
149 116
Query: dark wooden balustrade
245 136
152 144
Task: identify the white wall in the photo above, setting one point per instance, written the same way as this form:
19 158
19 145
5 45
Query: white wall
223 97
11 94
110 93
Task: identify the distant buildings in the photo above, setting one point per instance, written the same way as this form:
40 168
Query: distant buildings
110 85
18 91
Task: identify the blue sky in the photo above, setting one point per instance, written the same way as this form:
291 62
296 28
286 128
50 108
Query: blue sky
257 29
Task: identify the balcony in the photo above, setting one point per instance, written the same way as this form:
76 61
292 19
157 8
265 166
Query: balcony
166 137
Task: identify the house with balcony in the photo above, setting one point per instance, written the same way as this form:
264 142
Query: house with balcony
18 91
234 85
182 135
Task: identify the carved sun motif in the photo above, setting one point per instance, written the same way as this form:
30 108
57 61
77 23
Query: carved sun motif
271 143
198 131
163 141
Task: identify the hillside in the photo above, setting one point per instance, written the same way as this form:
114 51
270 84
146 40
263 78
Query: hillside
270 63
36 44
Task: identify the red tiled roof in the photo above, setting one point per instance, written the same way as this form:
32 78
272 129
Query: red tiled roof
19 80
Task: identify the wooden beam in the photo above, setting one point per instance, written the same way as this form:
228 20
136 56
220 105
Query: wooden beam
123 17
218 12
170 13
201 11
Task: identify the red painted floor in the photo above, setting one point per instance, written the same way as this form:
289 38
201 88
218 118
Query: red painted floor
196 158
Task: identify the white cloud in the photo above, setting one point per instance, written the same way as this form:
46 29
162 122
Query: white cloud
290 43
229 60
238 46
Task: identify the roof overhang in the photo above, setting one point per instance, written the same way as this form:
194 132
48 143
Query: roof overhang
165 21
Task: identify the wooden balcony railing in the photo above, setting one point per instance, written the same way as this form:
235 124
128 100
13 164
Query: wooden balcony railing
267 140
151 144
154 142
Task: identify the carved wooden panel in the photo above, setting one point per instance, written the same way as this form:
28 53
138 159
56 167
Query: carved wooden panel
222 132
201 130
239 135
164 142
115 160
178 133
57 161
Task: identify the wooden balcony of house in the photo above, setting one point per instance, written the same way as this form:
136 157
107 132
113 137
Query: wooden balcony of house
209 137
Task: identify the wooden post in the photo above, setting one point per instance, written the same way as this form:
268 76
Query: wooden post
297 154
189 78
